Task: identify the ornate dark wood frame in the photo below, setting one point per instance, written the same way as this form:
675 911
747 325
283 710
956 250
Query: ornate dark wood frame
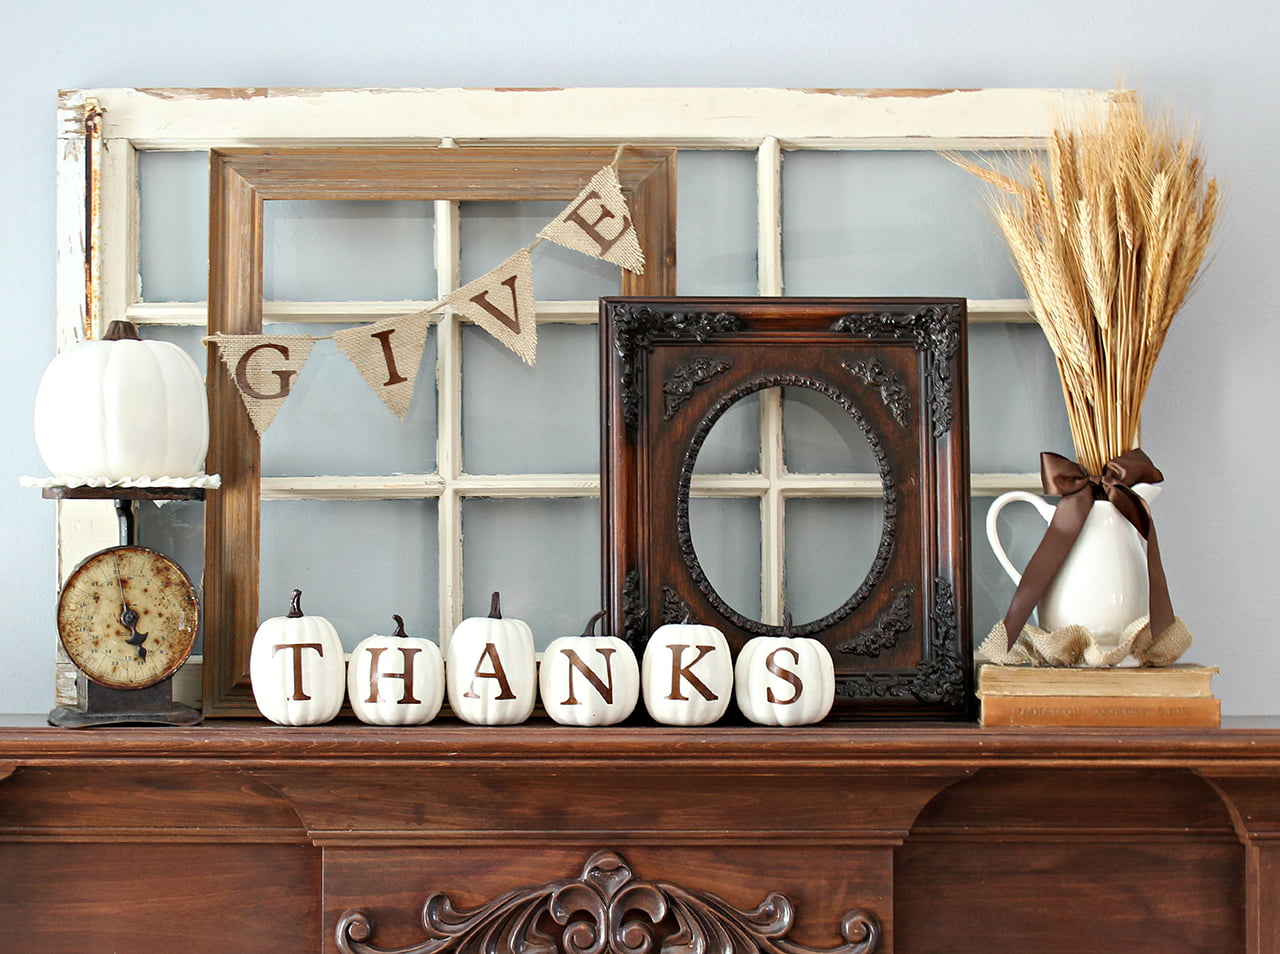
670 367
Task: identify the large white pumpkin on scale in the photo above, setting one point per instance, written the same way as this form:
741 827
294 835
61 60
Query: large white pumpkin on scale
121 407
687 674
589 679
491 669
296 667
396 679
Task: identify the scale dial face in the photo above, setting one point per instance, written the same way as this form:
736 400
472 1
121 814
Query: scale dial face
127 617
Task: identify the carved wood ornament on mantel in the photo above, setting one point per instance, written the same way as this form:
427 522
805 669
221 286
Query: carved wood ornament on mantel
608 910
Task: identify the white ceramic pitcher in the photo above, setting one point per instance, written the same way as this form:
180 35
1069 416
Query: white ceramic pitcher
1102 584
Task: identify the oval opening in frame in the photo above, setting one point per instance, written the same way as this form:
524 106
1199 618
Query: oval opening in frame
807 492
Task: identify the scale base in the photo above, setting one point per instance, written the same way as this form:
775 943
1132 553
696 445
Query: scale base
100 705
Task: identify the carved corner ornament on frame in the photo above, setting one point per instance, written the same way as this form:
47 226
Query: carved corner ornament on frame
608 910
672 368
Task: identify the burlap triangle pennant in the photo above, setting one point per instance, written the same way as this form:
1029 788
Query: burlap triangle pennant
264 369
598 223
501 303
387 354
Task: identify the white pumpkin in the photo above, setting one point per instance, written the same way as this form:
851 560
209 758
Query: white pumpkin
784 680
396 679
121 407
589 679
492 669
687 674
296 668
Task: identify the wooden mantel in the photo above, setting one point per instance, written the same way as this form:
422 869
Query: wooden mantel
924 838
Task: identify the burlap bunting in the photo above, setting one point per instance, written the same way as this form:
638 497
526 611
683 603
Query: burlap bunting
502 303
264 369
387 354
598 223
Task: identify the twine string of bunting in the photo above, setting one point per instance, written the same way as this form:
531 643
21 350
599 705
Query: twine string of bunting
388 353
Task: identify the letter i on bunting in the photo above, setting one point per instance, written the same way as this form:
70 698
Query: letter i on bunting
387 354
501 303
264 369
598 223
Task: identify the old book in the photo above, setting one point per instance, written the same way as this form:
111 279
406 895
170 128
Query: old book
1134 711
1180 681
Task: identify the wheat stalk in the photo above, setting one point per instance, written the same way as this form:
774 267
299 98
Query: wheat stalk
1108 231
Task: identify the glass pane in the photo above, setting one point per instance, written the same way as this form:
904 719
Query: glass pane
820 437
542 555
1016 408
726 538
356 562
716 207
544 419
173 228
494 231
186 338
889 223
348 251
830 545
733 445
334 423
1021 530
176 529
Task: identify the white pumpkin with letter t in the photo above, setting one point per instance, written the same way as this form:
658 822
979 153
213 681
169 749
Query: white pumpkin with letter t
784 680
296 668
396 679
121 407
589 679
687 674
491 670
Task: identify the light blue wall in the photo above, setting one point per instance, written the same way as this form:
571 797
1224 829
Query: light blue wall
1210 416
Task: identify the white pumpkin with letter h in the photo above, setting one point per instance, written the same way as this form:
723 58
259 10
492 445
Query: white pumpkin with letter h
396 679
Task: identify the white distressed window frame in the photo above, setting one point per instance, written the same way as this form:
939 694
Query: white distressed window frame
102 131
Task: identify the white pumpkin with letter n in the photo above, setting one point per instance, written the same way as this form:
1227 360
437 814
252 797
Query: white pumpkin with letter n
589 679
296 667
491 671
396 679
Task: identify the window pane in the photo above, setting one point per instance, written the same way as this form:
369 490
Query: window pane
494 231
334 423
544 419
889 223
348 251
726 538
176 529
543 556
830 545
1021 530
820 437
733 445
173 229
1015 401
356 562
189 339
717 222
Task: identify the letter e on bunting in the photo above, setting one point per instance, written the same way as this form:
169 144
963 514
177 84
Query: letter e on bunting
501 302
264 369
387 354
598 223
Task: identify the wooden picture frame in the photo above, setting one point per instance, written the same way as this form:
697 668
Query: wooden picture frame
671 367
240 181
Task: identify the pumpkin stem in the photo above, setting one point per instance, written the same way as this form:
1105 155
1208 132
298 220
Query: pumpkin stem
295 605
120 330
591 624
495 606
399 626
688 618
786 624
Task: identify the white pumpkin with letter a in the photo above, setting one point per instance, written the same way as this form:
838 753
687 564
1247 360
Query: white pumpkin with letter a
296 668
491 671
396 679
784 680
687 674
589 679
121 407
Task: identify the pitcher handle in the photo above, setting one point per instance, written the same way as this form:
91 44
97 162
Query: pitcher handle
1043 508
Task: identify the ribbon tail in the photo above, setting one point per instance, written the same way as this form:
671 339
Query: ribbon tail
1068 520
1161 606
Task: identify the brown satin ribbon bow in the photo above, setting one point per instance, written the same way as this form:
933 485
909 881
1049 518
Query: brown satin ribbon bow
1078 490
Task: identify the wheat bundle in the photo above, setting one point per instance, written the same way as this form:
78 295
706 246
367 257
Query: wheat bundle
1108 230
